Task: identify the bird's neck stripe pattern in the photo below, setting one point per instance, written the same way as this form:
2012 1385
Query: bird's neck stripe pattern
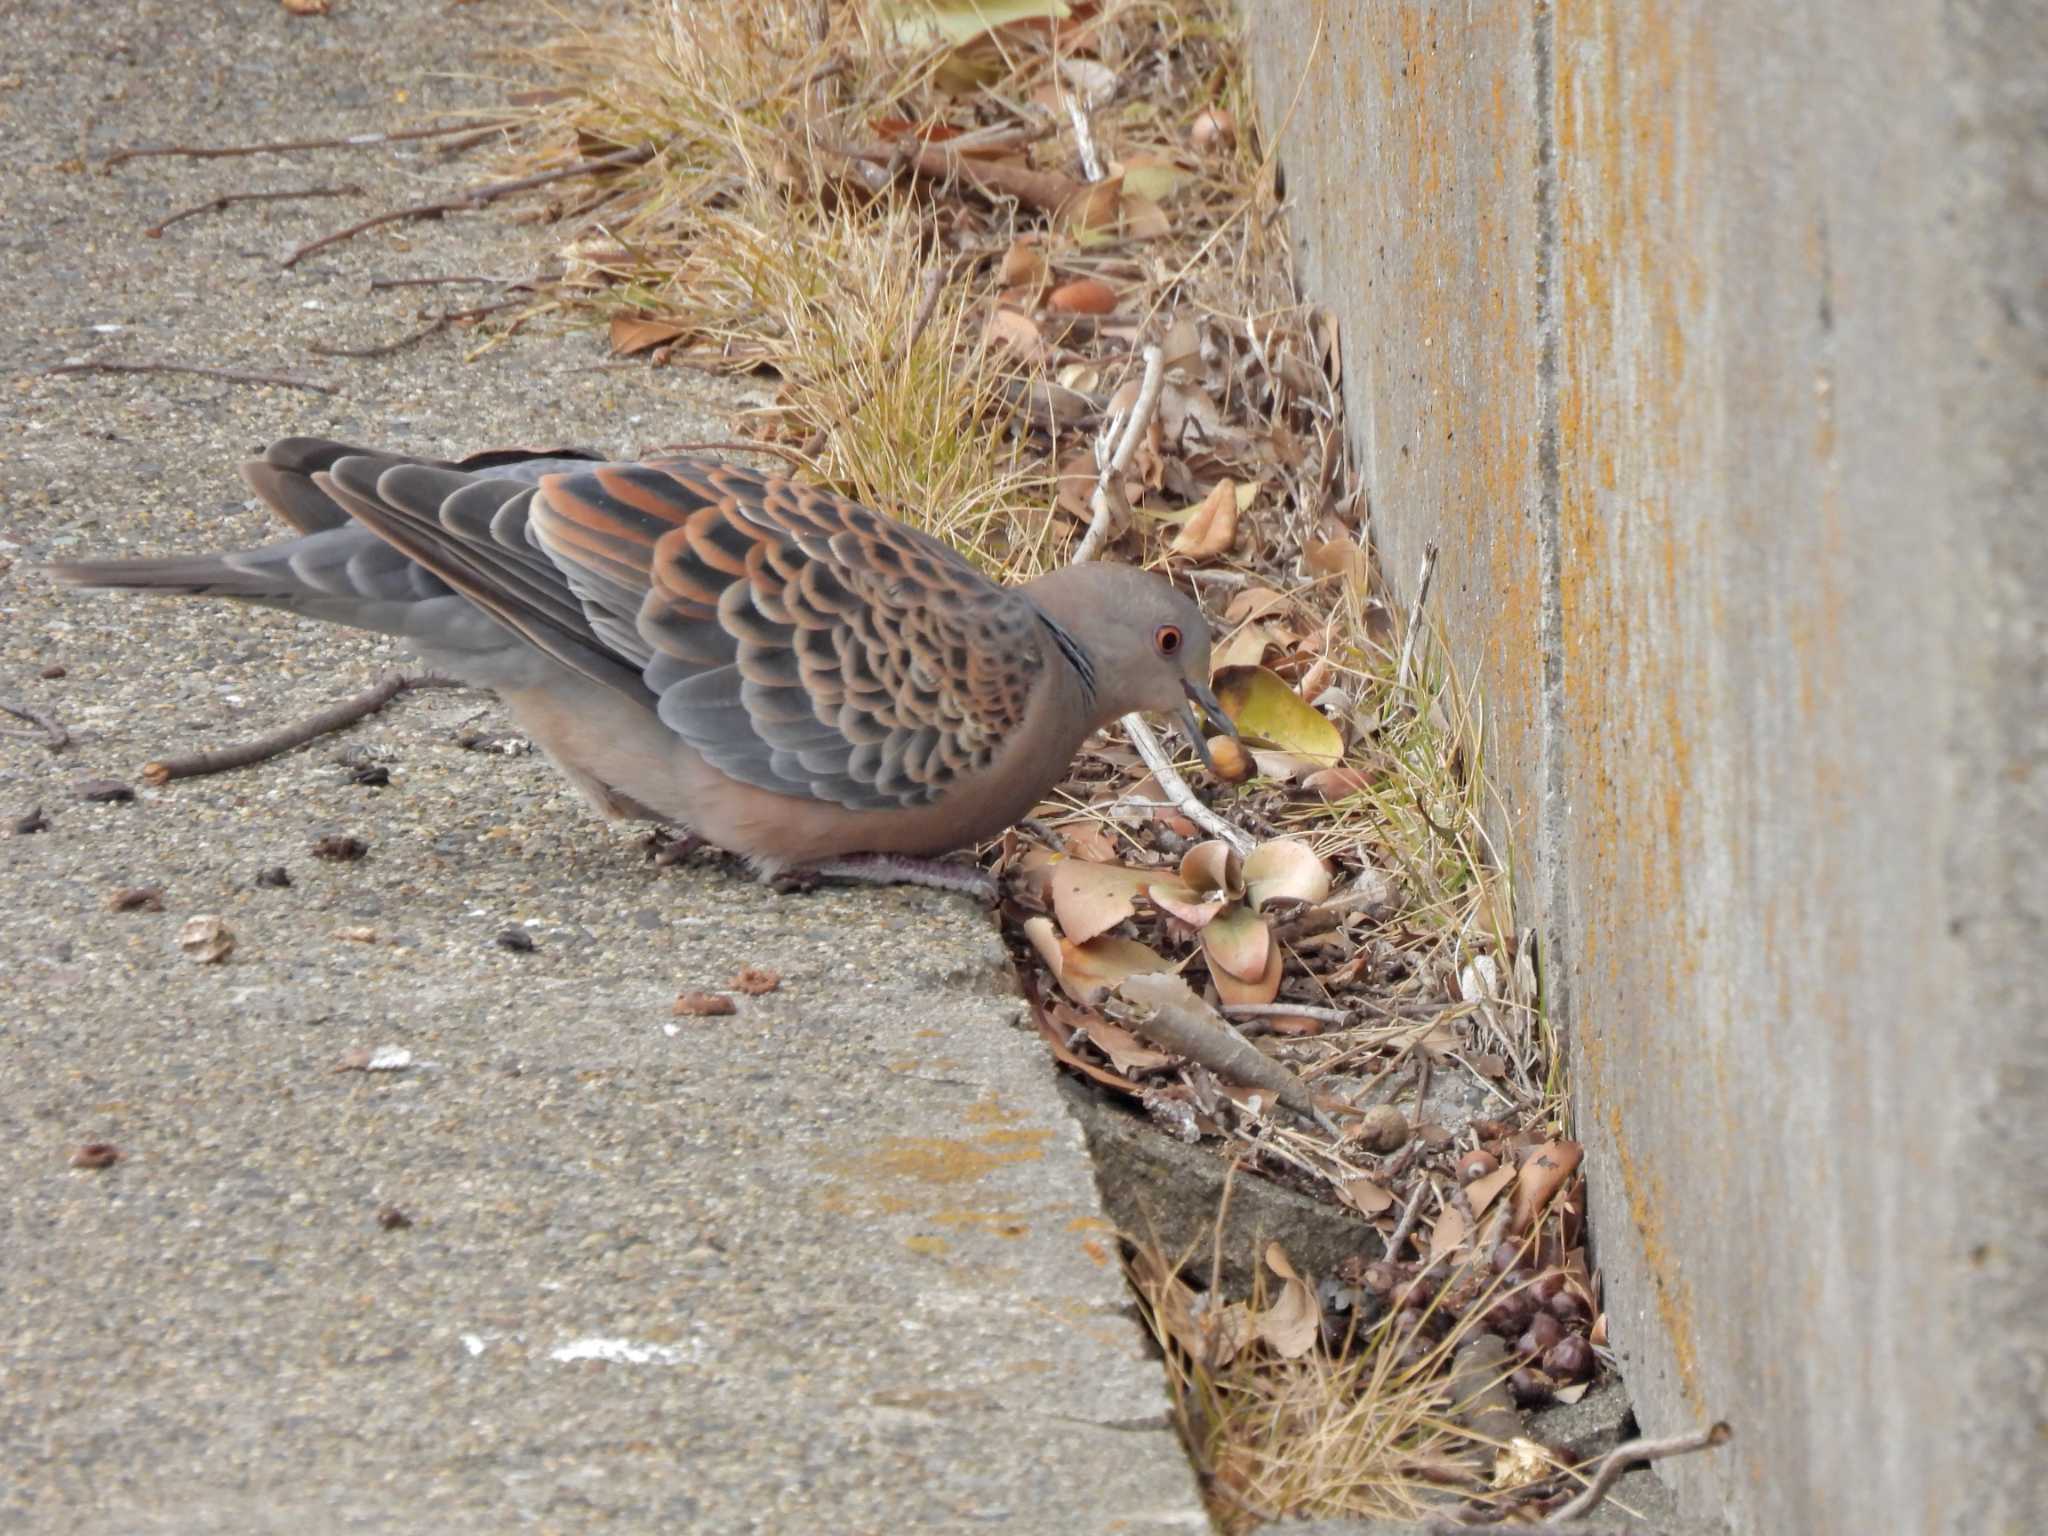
1071 649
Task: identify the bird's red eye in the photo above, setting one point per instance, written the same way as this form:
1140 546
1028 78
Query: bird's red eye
1167 638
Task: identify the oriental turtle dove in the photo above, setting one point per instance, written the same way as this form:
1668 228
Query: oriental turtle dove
784 673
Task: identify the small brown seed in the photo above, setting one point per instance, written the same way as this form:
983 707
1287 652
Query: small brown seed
96 1154
704 1005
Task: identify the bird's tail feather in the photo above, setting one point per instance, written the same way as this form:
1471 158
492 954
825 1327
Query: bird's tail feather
188 575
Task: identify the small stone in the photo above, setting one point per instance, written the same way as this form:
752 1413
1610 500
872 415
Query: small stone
105 791
376 776
704 1005
206 939
518 940
340 847
96 1154
276 877
137 898
392 1219
756 980
356 935
33 821
51 674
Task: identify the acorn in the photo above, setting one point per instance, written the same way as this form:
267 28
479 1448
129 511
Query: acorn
1228 759
1214 128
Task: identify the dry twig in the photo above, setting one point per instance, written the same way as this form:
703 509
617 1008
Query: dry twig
1622 1456
434 327
231 375
55 737
1415 618
1183 1023
346 713
476 197
229 199
285 147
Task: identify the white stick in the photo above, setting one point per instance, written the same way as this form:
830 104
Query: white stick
1084 136
1134 424
1175 788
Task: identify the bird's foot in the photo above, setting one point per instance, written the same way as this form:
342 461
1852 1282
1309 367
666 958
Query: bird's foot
798 881
666 850
900 869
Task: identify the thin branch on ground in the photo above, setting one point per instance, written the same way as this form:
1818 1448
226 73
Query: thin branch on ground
1288 1011
1406 1224
434 327
55 737
231 375
1415 618
229 199
348 712
476 197
377 284
1176 1019
288 146
1616 1461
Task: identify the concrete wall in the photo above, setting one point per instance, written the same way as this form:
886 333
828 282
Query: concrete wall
1707 338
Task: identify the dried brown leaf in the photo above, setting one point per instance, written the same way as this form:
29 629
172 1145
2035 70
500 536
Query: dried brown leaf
1083 296
1212 529
1090 899
639 333
1291 1326
1087 972
1284 869
1237 941
1543 1172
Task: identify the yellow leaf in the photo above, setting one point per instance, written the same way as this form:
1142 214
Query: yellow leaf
925 23
1269 713
1150 176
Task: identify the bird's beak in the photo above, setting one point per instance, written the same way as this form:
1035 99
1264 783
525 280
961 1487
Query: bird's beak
1199 695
